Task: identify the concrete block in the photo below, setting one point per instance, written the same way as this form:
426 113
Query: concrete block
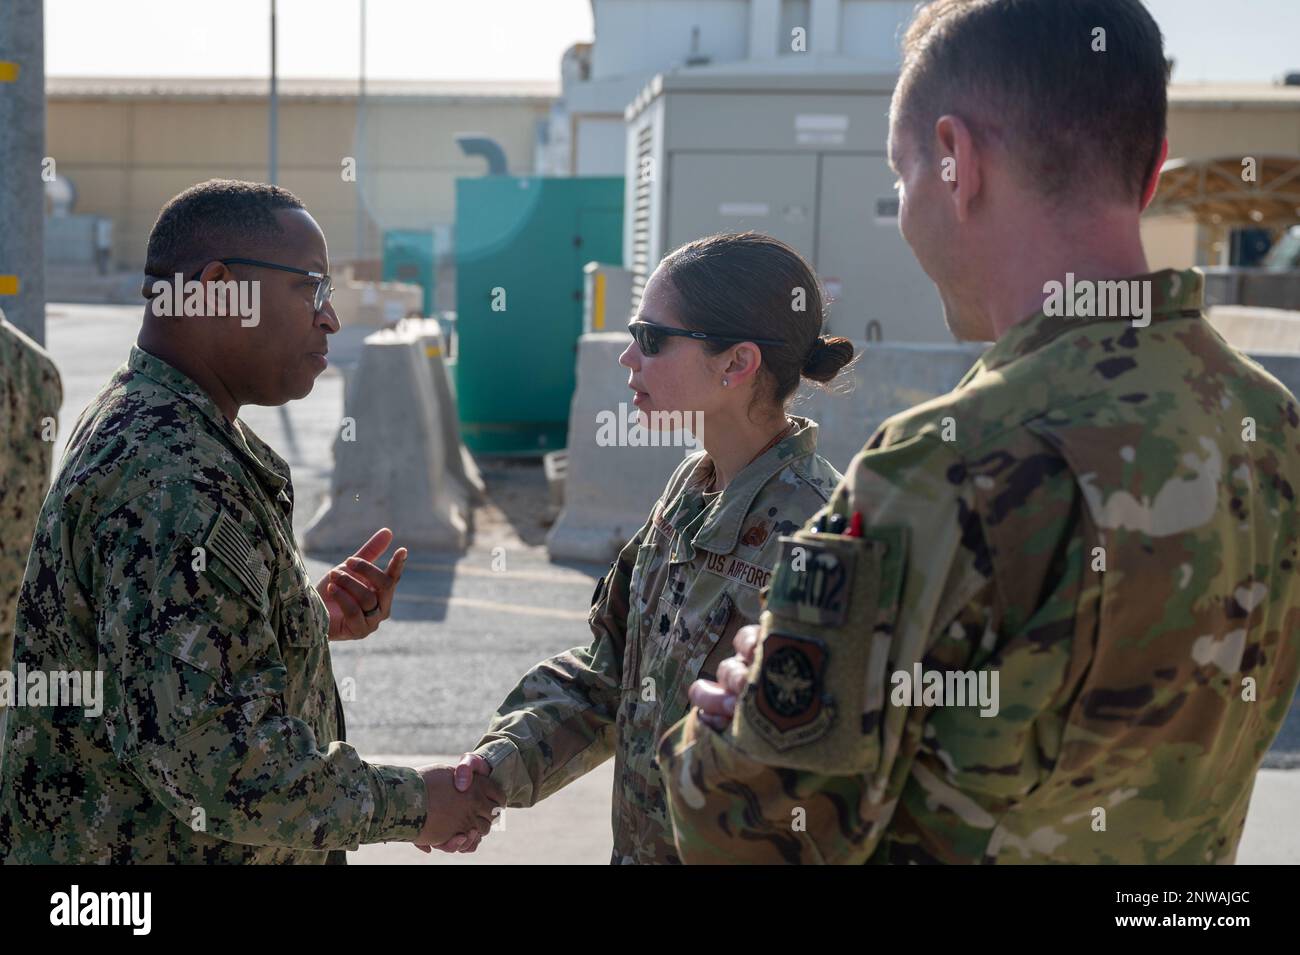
365 307
555 466
1283 366
395 464
607 297
461 466
887 378
375 304
1255 287
608 490
1257 329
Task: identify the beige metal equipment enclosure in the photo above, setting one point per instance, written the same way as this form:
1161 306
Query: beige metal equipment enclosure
797 155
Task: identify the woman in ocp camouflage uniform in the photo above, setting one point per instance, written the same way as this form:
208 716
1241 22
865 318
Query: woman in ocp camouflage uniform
728 325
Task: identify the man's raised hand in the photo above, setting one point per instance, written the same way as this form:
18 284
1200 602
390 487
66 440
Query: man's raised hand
357 594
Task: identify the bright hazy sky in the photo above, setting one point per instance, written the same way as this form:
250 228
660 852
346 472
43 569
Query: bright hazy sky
1212 40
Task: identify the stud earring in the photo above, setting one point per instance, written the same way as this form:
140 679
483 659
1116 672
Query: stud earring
724 382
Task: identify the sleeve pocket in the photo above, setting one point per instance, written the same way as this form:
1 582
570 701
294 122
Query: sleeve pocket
817 688
184 684
297 627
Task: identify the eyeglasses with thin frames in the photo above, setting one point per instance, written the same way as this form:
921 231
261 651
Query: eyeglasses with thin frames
324 290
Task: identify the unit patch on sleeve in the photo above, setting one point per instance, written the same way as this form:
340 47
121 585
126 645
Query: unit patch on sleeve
791 707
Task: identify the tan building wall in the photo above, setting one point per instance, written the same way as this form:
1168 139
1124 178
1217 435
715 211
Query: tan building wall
130 145
1207 122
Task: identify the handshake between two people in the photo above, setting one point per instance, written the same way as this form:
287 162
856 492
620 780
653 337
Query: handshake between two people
463 801
359 597
463 805
358 594
470 777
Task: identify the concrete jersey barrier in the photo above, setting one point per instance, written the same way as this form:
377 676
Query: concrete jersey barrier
1257 329
395 463
608 490
461 466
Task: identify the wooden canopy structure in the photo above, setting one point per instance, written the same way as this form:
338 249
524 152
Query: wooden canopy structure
1233 192
1227 193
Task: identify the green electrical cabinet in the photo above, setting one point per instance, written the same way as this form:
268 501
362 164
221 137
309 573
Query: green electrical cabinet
408 257
521 243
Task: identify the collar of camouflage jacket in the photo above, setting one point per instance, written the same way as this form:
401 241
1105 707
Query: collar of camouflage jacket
1169 294
720 522
269 467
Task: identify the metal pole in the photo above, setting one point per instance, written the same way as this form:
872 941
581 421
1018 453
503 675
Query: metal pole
361 126
273 157
22 152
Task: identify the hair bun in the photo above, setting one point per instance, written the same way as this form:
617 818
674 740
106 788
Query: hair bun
815 351
826 357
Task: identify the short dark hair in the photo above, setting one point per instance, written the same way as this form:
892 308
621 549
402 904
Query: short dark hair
215 219
742 284
1073 116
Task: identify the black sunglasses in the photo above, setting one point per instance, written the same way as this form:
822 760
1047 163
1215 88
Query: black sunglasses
323 288
650 336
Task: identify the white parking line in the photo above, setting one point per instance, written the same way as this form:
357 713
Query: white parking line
574 578
521 609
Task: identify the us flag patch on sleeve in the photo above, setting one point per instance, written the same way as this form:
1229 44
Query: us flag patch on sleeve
228 541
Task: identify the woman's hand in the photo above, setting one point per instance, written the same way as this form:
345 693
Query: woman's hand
717 701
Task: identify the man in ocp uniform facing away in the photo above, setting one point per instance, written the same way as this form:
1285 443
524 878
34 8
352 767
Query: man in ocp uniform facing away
1062 620
165 563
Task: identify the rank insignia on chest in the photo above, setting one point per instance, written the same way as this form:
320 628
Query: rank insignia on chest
756 535
790 704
